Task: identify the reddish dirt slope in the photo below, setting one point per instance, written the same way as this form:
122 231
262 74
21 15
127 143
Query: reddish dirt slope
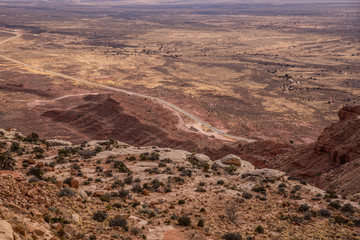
332 162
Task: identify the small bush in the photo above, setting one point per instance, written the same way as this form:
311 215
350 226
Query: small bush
259 229
303 208
335 204
128 179
136 188
247 195
205 167
118 221
105 198
147 156
231 211
331 194
230 170
220 182
181 202
121 167
232 236
33 137
201 223
35 171
15 146
66 192
340 220
124 193
6 162
348 208
99 216
324 213
184 220
259 189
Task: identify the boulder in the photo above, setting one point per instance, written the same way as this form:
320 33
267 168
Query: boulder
231 159
6 231
267 174
202 158
83 195
74 183
98 193
349 112
76 218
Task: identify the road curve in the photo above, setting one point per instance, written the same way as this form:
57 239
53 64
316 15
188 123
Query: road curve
122 91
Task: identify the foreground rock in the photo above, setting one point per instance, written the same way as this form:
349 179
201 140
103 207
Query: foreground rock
111 190
6 231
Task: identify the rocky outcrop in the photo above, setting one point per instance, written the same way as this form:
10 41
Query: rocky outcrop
6 231
267 174
349 112
332 162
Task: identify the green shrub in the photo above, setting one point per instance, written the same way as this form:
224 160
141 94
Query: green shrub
303 207
340 220
201 223
99 216
15 146
348 208
105 198
66 192
118 221
33 137
232 236
121 167
6 162
259 229
184 220
35 171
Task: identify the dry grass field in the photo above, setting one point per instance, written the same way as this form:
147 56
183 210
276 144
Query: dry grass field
259 70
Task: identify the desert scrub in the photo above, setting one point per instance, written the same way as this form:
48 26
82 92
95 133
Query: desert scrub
15 146
99 216
259 229
303 208
35 171
66 192
220 182
149 156
184 220
33 137
121 167
259 189
324 213
348 208
201 223
232 236
118 221
6 162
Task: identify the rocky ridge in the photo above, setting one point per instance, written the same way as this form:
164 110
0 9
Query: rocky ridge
52 189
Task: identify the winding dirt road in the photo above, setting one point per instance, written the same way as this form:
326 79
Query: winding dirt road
166 103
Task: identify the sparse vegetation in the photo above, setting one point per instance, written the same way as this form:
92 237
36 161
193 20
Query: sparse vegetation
6 162
99 216
184 220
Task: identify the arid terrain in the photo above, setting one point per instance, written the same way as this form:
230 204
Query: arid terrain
271 72
51 189
179 120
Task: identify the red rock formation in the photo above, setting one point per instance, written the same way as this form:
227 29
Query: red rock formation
332 162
